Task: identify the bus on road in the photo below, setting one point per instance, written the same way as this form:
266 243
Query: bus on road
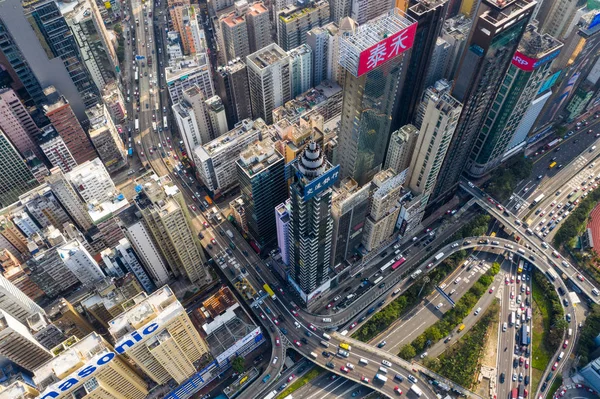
520 268
269 291
538 199
551 274
398 263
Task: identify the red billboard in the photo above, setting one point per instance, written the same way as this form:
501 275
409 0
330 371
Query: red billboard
385 50
524 62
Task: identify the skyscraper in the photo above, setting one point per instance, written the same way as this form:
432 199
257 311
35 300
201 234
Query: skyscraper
55 149
479 77
555 16
439 123
17 124
235 32
400 150
232 85
105 137
363 11
294 22
80 263
59 112
263 185
530 67
15 176
18 345
14 302
429 16
269 80
59 40
259 26
374 62
301 69
310 222
64 191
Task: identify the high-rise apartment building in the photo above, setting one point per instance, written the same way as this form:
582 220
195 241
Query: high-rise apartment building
177 10
92 181
56 151
64 191
216 115
530 68
145 247
294 22
373 57
193 36
386 188
261 175
189 72
232 85
349 209
234 29
170 348
438 65
46 18
45 208
18 275
106 139
110 298
124 256
363 11
269 80
310 226
259 26
112 97
13 235
555 16
18 345
37 167
215 160
111 377
80 263
282 221
437 129
401 147
166 214
63 315
25 222
479 77
44 332
455 32
324 43
15 176
61 116
93 41
17 124
429 16
301 69
14 302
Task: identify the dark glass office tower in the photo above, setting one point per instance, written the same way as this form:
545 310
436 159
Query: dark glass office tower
47 20
496 32
430 17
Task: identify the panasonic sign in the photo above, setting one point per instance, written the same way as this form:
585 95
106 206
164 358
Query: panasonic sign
59 388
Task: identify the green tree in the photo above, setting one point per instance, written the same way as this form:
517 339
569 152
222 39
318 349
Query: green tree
407 352
238 364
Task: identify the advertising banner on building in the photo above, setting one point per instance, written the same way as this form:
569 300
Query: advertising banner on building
388 48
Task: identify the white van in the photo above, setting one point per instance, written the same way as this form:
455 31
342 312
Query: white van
477 311
593 148
345 332
560 356
363 361
326 320
595 291
386 363
383 370
313 355
326 336
570 332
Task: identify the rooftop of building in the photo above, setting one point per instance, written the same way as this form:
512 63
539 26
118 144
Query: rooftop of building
499 12
160 306
232 66
222 142
306 101
292 12
215 104
267 56
458 25
257 157
185 66
54 100
104 210
107 293
48 136
130 216
85 170
98 116
76 10
282 211
69 357
232 20
256 9
153 189
301 50
536 45
424 6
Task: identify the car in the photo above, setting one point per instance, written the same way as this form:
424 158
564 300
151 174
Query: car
512 279
262 316
210 246
381 344
502 378
492 290
356 393
580 277
350 366
205 224
520 377
325 354
364 379
297 343
352 326
330 365
312 327
277 341
554 366
291 377
506 280
329 305
515 362
294 312
430 265
565 344
398 390
213 241
304 340
345 369
514 376
275 321
200 236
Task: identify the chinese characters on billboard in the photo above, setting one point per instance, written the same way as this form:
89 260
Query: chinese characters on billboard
385 50
321 183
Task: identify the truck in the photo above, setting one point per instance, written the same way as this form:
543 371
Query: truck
345 346
513 393
538 199
136 75
269 291
378 280
512 318
553 143
149 60
381 378
137 124
154 126
416 390
439 256
551 274
229 234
